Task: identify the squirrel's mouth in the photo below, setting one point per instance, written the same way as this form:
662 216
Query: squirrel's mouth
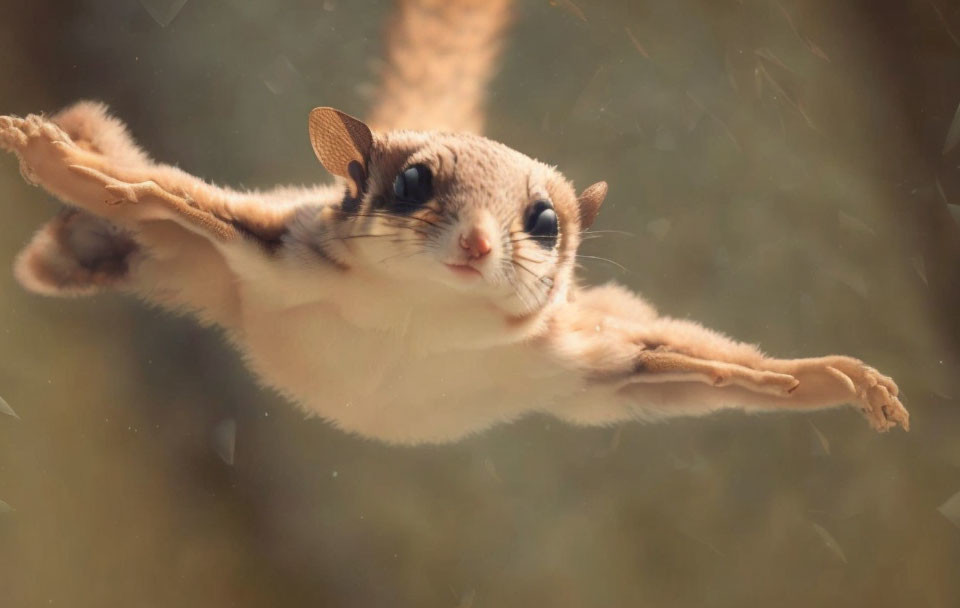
464 270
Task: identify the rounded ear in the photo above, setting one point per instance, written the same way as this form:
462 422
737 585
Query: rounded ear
590 201
342 144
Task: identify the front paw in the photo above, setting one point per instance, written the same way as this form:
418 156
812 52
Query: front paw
875 394
40 145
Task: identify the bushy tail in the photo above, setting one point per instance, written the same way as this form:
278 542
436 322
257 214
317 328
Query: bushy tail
439 58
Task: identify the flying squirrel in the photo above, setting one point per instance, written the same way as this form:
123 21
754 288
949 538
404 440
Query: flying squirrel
426 295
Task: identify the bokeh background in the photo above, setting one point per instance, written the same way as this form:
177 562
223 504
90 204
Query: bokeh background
784 171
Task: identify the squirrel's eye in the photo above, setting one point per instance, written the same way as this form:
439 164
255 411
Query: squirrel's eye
541 223
414 185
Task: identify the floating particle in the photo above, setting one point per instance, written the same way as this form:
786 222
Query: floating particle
664 140
945 23
699 540
5 508
854 281
659 228
6 409
467 599
612 445
854 224
569 7
281 76
954 212
163 11
821 443
829 541
491 470
953 209
920 267
723 125
636 43
951 509
953 133
225 440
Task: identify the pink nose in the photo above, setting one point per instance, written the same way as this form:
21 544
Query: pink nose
476 244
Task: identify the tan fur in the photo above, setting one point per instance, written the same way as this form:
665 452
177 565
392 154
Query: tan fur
75 253
90 125
440 56
377 317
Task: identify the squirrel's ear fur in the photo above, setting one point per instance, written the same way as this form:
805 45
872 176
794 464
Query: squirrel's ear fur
590 201
342 143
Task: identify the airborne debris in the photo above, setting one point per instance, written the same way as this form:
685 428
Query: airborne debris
946 24
163 11
570 7
953 133
954 210
762 75
659 228
467 599
811 46
726 129
225 440
281 76
6 409
854 224
920 267
665 140
951 509
829 541
491 470
822 443
636 43
614 441
5 508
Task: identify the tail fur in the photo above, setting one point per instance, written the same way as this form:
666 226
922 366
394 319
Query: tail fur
439 58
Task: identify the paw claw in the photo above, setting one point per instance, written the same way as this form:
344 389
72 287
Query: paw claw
12 137
125 191
874 394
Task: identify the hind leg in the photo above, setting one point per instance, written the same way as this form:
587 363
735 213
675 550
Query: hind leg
76 254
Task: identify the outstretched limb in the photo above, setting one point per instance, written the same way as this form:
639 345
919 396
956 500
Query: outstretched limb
130 190
654 367
133 224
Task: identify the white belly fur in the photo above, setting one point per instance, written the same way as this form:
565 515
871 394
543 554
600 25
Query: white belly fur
391 362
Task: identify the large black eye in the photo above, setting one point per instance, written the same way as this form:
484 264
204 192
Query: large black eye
413 186
541 223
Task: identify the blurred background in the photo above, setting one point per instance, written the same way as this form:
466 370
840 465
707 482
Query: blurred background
786 171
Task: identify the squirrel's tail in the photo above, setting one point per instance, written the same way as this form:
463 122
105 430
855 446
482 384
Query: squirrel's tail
439 58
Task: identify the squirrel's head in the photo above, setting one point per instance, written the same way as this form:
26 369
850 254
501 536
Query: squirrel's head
456 209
